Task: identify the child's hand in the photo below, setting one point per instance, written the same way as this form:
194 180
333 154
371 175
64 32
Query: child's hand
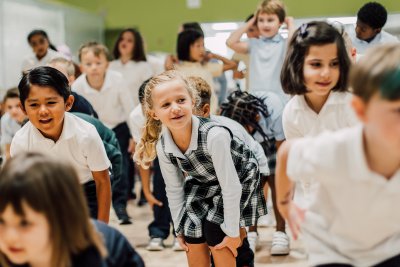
295 218
232 243
170 61
252 21
182 243
152 200
289 21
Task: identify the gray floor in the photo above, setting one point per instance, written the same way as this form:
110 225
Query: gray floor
137 234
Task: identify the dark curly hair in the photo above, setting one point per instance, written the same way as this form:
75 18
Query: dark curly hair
373 14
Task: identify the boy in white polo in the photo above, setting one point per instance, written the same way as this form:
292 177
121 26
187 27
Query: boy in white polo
45 98
353 221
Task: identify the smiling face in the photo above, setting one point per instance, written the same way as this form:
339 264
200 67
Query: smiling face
25 239
321 69
268 24
197 50
126 44
45 109
13 107
39 45
172 105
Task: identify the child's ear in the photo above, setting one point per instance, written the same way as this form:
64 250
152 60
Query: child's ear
22 108
153 115
359 107
206 110
69 102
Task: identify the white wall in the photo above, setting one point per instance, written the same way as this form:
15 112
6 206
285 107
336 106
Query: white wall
63 25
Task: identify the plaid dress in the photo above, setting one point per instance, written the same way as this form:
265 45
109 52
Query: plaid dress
203 196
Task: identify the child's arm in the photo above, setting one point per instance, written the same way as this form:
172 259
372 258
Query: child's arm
145 175
103 192
284 191
170 62
219 147
228 63
234 43
290 26
7 148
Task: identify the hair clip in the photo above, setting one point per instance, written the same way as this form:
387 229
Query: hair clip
303 30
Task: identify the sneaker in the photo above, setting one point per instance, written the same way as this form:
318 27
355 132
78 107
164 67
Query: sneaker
253 239
176 246
156 244
123 217
266 221
280 244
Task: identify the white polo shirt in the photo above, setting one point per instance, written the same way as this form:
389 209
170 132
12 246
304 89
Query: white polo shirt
79 144
381 38
299 120
134 73
137 122
33 62
112 102
355 220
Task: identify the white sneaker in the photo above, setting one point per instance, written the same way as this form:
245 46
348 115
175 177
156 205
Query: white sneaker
253 239
280 244
267 220
176 246
155 244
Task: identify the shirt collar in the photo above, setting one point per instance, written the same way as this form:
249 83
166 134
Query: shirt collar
172 148
275 39
67 131
334 98
90 90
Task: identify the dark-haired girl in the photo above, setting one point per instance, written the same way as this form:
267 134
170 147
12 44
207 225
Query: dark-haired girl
42 48
130 60
315 71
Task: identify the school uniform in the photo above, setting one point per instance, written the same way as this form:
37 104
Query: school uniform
299 120
381 38
354 221
240 132
220 188
79 144
134 73
266 59
33 62
113 105
9 127
206 71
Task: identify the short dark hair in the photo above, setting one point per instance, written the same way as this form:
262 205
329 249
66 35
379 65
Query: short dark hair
243 108
44 76
309 34
249 17
138 53
185 40
11 93
142 89
373 14
192 26
42 33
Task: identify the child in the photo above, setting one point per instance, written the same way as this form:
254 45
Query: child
12 120
220 192
45 98
192 55
44 220
261 115
130 60
315 72
68 69
107 92
368 31
353 222
266 52
42 48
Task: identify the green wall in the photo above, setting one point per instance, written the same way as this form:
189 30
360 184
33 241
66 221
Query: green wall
158 20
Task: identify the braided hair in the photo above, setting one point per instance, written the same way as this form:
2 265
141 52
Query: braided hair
243 108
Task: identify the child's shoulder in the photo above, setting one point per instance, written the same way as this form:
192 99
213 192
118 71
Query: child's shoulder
79 128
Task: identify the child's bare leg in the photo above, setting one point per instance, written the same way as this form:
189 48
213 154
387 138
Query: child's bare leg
223 257
198 255
280 222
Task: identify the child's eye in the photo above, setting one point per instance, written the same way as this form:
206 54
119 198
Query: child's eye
33 105
51 102
315 64
24 223
335 63
165 105
182 100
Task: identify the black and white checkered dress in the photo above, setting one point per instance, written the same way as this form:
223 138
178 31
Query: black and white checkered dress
203 197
